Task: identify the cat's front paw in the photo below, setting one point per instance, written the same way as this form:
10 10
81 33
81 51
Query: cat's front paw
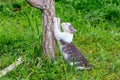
58 20
55 19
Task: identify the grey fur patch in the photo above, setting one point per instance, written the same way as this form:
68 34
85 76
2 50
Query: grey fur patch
72 29
74 54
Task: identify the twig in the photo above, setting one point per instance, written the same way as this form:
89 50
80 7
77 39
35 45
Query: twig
10 67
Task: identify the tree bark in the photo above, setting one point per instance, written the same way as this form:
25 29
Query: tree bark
48 13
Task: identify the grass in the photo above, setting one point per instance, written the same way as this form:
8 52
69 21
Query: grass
98 38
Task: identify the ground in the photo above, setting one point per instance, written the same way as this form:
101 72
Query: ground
98 39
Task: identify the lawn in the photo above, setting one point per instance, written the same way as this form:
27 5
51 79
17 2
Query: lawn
97 37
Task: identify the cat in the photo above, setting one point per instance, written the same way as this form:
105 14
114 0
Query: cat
70 53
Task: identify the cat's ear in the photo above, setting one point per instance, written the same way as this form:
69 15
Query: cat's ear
72 29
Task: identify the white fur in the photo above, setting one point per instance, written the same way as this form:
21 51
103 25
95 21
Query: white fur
83 68
66 36
66 56
73 63
80 67
65 26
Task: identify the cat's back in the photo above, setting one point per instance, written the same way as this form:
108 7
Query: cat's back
71 52
68 48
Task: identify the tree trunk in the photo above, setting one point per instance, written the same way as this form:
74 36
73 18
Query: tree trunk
48 13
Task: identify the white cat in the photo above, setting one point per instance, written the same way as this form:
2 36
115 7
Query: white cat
70 52
62 35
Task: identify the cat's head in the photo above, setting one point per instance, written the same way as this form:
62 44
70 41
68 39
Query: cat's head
67 27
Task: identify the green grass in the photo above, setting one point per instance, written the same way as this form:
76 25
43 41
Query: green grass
98 38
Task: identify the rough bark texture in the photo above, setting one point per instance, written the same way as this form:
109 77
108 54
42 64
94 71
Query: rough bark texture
48 13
